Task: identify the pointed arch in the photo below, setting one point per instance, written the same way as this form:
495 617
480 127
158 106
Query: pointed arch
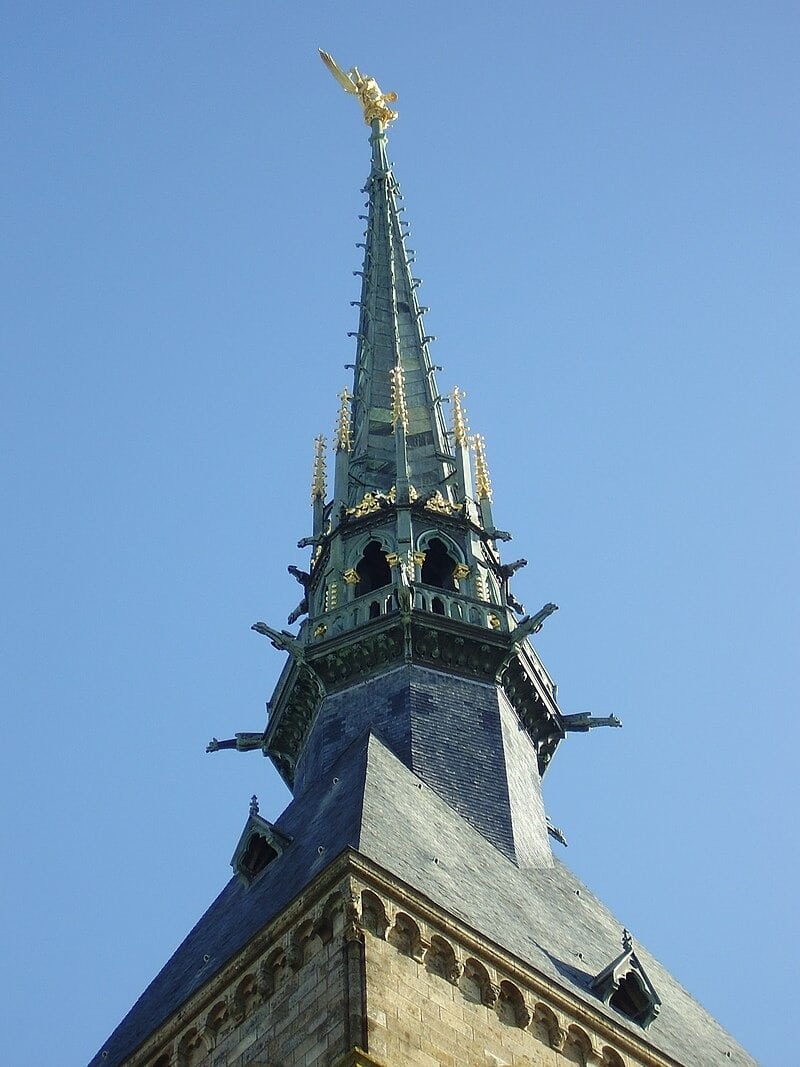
372 569
442 555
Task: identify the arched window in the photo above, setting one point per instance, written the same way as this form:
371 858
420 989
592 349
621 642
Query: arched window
373 570
437 570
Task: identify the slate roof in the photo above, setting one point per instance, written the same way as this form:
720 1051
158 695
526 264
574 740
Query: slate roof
379 807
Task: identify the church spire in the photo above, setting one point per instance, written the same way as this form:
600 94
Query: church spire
390 338
405 576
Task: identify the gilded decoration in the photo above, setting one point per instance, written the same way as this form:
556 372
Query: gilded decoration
320 630
373 101
318 482
483 482
419 558
332 596
460 572
494 622
352 576
460 431
399 407
440 505
344 434
413 494
369 503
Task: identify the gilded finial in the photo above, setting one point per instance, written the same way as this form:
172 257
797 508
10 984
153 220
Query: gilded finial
318 486
460 430
373 101
399 409
483 482
344 436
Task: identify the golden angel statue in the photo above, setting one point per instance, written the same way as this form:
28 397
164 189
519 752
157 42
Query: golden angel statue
373 101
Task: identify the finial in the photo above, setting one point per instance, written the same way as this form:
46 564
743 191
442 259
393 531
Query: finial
460 430
627 940
399 409
254 805
373 101
318 486
483 482
344 436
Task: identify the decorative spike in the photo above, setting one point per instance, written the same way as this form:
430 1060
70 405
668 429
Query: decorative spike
460 430
483 482
318 482
344 435
399 409
254 805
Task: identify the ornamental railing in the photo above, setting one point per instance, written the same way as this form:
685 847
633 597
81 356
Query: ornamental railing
427 598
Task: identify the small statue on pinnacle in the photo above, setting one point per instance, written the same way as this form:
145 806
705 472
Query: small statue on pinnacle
373 101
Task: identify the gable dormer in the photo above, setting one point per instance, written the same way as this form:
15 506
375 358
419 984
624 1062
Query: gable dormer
624 985
260 844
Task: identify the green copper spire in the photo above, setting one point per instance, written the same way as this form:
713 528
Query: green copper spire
391 335
405 570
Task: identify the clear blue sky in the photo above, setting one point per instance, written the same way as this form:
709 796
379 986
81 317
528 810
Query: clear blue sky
604 203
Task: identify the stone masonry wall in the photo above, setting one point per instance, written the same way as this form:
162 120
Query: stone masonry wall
287 1008
367 977
432 1003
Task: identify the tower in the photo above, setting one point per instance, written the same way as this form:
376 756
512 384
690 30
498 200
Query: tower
406 908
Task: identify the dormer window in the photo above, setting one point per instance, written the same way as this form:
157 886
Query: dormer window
260 844
624 986
631 999
257 855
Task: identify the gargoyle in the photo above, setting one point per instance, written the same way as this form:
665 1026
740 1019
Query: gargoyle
243 742
282 640
303 577
301 609
584 721
532 624
308 542
507 570
556 833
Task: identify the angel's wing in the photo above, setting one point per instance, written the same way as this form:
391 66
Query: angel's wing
343 79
